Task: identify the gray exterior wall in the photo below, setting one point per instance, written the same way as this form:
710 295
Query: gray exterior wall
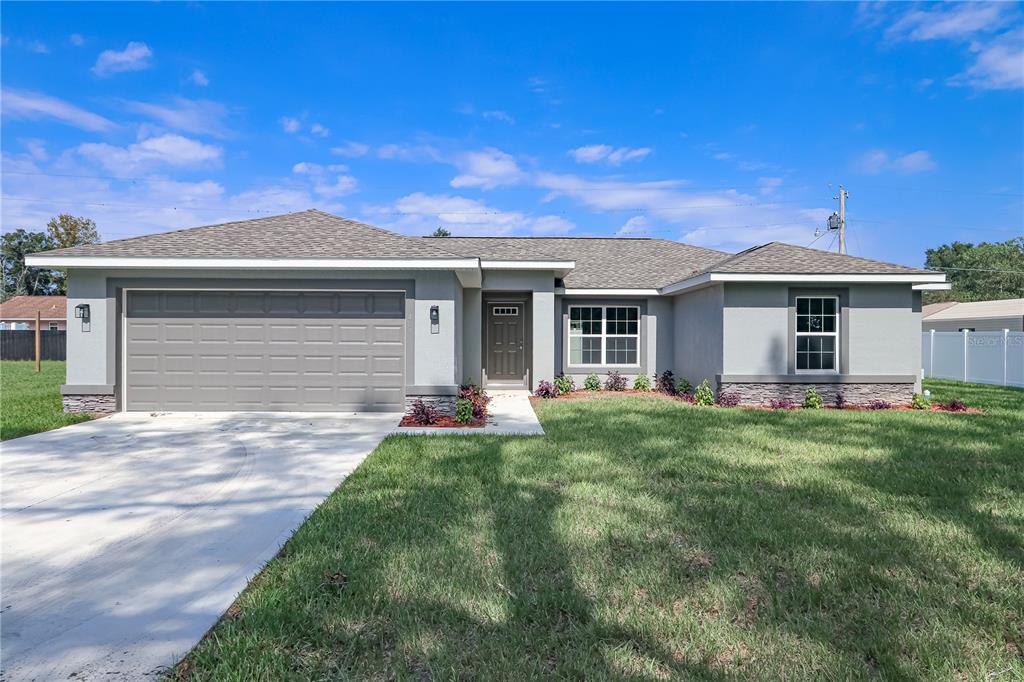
697 318
540 285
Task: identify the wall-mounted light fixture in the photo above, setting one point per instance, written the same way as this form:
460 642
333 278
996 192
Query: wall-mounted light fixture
82 311
435 319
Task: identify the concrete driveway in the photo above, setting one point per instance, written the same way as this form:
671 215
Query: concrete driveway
124 539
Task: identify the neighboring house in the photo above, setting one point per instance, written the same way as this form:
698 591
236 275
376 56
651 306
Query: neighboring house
19 312
976 316
312 312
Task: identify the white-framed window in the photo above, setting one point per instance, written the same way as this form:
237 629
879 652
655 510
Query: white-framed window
602 336
505 311
54 326
817 334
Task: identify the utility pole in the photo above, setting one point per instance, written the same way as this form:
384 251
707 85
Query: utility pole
842 218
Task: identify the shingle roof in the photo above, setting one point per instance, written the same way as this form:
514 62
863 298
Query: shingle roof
776 257
307 234
1007 307
601 262
25 307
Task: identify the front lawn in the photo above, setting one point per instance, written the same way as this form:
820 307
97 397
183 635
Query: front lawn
30 402
648 539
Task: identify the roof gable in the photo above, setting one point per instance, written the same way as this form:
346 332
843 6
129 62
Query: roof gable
779 258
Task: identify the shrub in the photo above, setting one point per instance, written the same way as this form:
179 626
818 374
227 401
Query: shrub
953 406
592 383
615 382
564 384
728 399
686 397
919 402
812 401
478 397
704 395
546 389
839 401
463 411
684 386
642 383
879 405
666 383
781 404
423 413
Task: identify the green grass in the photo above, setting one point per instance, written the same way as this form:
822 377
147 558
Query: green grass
30 402
647 539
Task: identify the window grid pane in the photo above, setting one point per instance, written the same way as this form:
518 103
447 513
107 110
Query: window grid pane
816 328
604 335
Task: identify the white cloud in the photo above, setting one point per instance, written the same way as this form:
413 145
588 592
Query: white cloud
502 116
421 213
408 152
638 224
351 149
769 185
953 21
603 152
290 125
34 105
486 169
164 150
36 149
134 57
877 161
76 39
537 84
199 117
319 130
998 65
338 187
37 46
307 168
199 78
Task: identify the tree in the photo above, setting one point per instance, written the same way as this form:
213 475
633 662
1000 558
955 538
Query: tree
441 232
979 272
19 280
67 230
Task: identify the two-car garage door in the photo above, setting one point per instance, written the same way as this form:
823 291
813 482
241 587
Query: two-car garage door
264 350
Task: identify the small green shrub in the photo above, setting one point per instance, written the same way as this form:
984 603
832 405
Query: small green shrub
642 383
564 384
615 382
592 383
812 401
919 402
463 410
704 395
684 386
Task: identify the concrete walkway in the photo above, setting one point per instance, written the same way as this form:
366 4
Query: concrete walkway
511 414
124 539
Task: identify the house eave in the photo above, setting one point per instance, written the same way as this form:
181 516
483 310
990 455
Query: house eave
707 278
43 261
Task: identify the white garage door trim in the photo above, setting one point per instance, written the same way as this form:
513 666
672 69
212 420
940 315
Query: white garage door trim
124 314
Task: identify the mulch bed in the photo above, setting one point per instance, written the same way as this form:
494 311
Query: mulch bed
444 423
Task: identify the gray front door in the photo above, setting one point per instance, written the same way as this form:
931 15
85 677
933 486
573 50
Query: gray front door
315 351
506 335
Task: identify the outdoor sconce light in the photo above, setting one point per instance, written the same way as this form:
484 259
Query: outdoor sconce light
435 319
82 311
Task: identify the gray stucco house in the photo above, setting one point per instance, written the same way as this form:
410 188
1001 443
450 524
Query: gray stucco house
312 312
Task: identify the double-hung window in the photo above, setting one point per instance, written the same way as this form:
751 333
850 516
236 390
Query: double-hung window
604 336
817 334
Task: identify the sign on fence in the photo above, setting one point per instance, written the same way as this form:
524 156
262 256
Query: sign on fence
980 357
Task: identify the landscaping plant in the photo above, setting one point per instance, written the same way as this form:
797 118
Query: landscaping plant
879 405
812 401
423 413
478 397
919 402
954 405
684 386
592 383
545 389
839 401
564 384
615 382
781 404
704 395
642 383
463 411
728 399
666 383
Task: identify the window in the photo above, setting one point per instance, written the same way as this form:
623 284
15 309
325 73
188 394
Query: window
604 335
817 334
54 326
502 311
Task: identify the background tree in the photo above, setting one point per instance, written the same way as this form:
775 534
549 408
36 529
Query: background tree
67 230
441 232
19 280
979 272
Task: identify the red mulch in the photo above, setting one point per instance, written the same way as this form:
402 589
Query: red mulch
444 423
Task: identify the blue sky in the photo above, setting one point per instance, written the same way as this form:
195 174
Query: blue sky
721 125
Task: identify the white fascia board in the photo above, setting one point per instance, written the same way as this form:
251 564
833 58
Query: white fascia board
934 286
608 292
527 264
863 278
44 261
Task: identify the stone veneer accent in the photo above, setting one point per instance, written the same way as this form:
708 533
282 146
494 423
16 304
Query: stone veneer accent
855 394
93 403
444 404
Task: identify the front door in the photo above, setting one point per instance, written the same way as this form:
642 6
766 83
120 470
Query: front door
506 352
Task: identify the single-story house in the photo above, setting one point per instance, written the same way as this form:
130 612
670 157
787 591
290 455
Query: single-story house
976 316
312 312
19 312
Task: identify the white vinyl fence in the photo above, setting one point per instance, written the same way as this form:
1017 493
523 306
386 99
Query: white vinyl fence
980 357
